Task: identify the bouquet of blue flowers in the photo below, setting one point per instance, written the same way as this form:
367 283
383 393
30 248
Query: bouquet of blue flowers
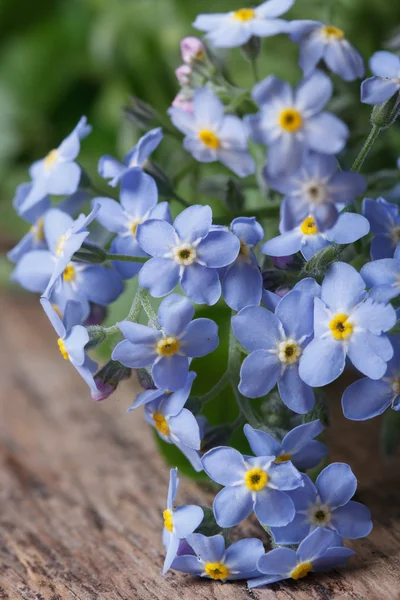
251 324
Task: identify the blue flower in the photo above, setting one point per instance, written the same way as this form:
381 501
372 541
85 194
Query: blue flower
292 122
385 225
237 27
327 505
307 238
190 251
326 42
211 136
276 342
383 277
168 350
58 173
346 323
366 398
316 190
213 561
315 553
138 199
298 445
72 339
242 280
386 81
251 483
113 169
178 522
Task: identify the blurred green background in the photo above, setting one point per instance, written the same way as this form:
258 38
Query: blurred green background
60 59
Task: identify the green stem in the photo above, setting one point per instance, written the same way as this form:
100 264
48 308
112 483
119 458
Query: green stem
148 309
126 258
217 388
369 142
181 200
254 70
133 315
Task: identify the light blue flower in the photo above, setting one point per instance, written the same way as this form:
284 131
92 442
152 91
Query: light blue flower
291 122
242 280
190 251
112 169
385 225
178 522
315 553
327 505
276 342
138 202
318 41
213 561
228 30
211 136
316 190
58 173
383 277
386 81
366 398
298 445
168 349
347 323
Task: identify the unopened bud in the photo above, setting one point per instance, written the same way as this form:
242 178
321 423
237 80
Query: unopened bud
272 279
251 50
183 74
144 379
90 253
192 49
97 315
184 101
384 115
108 378
141 113
164 183
97 335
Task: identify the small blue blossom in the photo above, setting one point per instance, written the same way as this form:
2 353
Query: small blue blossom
298 445
276 342
385 225
347 323
315 553
383 277
179 522
368 398
213 561
211 136
251 483
318 41
190 251
327 505
168 350
316 190
291 122
386 81
58 173
228 30
138 202
112 169
242 280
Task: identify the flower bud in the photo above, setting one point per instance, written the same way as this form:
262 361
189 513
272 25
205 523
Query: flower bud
251 50
143 115
108 378
183 74
272 279
90 253
97 315
183 101
164 183
192 49
97 335
384 115
144 379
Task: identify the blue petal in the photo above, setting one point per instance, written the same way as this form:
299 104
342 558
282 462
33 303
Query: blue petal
379 214
174 314
176 401
297 395
138 193
187 519
336 484
242 285
159 276
224 465
110 167
232 505
218 249
133 356
344 60
188 564
53 317
352 521
301 435
315 133
243 555
284 476
156 237
274 508
283 245
209 549
129 246
285 155
374 317
261 443
260 581
385 64
170 372
376 90
280 560
201 284
171 552
259 373
110 215
272 89
34 270
322 361
193 223
313 93
366 398
64 179
208 108
342 287
248 230
314 545
147 144
296 313
349 228
369 353
200 338
310 455
257 328
172 487
293 533
273 8
311 51
56 223
100 285
184 429
333 558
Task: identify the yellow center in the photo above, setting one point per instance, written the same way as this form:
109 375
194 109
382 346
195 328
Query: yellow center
168 520
283 458
133 226
333 32
309 227
160 423
244 251
69 273
62 349
38 230
51 159
289 352
60 244
340 327
244 14
216 570
168 346
256 479
209 139
290 120
301 570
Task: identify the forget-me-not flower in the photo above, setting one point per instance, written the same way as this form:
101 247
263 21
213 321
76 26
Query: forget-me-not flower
383 277
385 225
386 81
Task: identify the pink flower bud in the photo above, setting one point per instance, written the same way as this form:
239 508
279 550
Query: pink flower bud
183 74
192 49
183 102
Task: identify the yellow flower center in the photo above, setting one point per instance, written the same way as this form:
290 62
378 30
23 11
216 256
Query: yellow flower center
61 243
51 159
289 352
168 346
290 120
244 251
216 570
133 225
309 227
184 254
168 520
244 14
38 230
340 327
209 139
301 570
333 32
69 273
62 349
160 423
256 479
283 458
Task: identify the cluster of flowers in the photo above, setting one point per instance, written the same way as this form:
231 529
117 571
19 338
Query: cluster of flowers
297 337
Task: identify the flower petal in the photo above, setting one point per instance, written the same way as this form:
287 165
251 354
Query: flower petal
336 484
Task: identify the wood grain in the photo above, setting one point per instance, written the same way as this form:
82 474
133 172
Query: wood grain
82 490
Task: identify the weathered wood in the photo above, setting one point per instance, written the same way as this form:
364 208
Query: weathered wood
82 490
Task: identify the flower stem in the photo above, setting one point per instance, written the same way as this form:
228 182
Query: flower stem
181 200
148 309
133 315
369 142
217 388
126 258
254 70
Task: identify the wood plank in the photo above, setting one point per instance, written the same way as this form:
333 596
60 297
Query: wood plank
82 490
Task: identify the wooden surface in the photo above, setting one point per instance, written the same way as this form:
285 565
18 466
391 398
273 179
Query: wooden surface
82 490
